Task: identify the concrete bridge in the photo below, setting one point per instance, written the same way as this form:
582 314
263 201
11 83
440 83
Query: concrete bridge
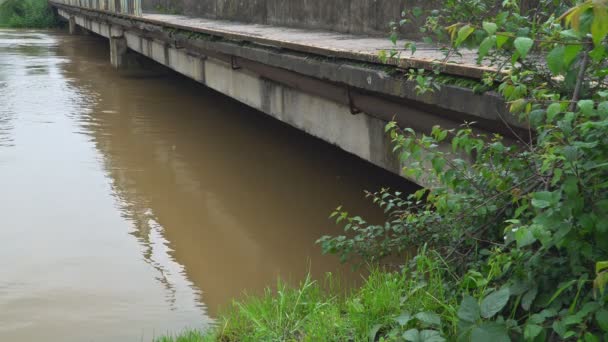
330 84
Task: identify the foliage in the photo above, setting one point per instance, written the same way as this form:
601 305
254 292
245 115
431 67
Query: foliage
170 9
188 336
523 219
406 305
26 14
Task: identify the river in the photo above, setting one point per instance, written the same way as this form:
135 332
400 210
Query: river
137 205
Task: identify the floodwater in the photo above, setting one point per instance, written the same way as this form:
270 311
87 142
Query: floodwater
136 205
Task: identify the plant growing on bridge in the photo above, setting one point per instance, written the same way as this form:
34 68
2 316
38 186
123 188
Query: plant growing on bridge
523 220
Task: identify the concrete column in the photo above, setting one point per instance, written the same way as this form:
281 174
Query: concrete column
118 52
72 25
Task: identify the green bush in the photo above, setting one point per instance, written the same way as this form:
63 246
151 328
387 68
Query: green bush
26 14
524 224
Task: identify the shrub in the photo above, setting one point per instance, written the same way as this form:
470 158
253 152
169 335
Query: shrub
524 224
26 14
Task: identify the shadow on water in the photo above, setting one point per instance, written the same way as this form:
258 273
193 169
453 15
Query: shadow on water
235 197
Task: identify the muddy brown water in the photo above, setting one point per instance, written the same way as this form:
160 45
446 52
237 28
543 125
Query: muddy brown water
133 206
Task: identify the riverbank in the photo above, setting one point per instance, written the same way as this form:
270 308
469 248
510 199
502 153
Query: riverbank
387 305
26 14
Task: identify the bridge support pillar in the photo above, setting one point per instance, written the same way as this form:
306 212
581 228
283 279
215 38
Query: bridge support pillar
73 27
122 58
119 56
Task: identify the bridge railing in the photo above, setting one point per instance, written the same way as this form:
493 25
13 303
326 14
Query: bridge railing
132 7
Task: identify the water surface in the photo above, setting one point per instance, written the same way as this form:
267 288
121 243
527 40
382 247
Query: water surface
135 205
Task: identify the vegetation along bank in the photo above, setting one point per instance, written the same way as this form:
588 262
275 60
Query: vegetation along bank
26 14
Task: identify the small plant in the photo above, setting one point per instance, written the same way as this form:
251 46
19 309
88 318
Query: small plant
167 9
188 336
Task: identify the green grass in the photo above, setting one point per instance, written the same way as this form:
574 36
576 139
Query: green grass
26 14
311 312
188 336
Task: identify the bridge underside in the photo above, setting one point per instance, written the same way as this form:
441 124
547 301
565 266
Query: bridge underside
346 104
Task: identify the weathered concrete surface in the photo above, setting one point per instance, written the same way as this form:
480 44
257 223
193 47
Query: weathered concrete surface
347 16
132 7
72 27
324 43
361 135
316 95
118 52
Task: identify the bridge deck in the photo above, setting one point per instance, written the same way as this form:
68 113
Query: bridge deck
324 43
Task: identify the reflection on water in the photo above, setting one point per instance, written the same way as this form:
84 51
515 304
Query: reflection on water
133 206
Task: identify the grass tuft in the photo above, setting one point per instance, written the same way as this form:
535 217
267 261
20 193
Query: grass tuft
309 312
188 336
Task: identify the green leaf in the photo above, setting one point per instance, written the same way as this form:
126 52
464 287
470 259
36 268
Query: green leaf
523 45
490 331
562 288
404 318
570 53
431 336
531 331
429 318
412 335
528 298
382 56
494 303
589 337
570 34
602 109
599 27
501 40
555 59
417 11
571 186
600 266
586 106
469 310
541 199
394 36
600 282
517 105
485 47
602 319
490 27
598 53
524 237
559 327
553 109
374 332
463 34
536 117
